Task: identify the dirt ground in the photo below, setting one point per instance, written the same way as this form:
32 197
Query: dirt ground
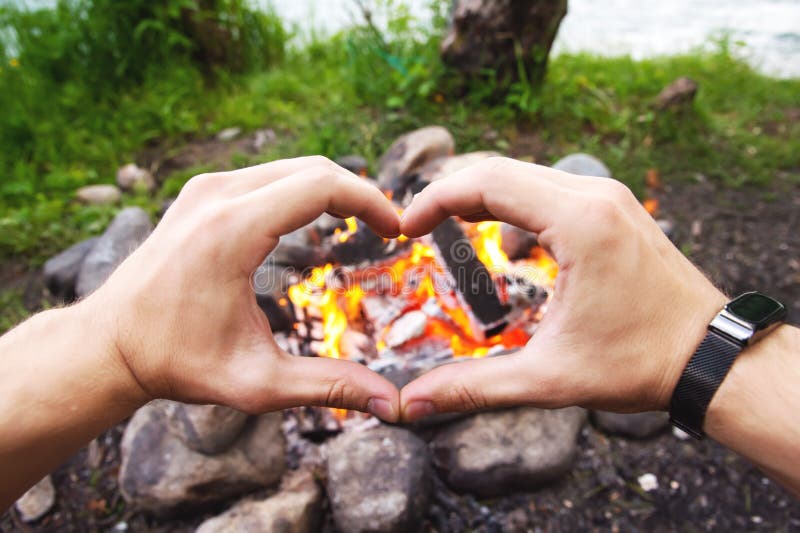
744 239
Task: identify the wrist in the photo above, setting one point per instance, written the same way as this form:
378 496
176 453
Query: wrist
691 329
755 379
96 330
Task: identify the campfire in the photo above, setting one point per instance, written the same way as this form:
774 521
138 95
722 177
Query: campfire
413 304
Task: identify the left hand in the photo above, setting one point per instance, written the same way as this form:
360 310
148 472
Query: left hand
182 316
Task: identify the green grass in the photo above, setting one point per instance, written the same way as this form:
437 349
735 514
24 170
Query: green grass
354 93
12 309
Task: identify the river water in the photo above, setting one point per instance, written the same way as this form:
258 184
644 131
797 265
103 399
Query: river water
769 30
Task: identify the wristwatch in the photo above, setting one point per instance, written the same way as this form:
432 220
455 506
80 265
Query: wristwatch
741 322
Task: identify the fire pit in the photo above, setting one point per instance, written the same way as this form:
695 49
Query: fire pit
401 307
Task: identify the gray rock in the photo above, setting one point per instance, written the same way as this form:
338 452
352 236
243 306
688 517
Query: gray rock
378 480
444 166
297 249
583 165
324 226
98 194
409 153
271 282
126 232
228 134
517 242
160 474
208 429
678 94
262 137
354 163
499 34
39 499
636 425
492 453
61 271
131 177
296 508
668 227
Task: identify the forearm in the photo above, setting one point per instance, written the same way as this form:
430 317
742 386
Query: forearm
61 385
755 411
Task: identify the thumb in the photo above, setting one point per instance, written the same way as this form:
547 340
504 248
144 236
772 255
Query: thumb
340 384
478 384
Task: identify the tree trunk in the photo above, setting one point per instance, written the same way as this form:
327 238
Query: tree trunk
501 35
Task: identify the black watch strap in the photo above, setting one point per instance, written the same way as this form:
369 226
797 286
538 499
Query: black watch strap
699 382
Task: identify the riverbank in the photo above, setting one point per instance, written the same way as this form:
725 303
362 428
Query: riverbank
354 92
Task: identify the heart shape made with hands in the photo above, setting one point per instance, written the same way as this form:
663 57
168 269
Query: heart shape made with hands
210 343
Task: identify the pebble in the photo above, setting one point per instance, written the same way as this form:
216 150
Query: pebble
680 434
39 499
228 134
98 194
648 482
131 177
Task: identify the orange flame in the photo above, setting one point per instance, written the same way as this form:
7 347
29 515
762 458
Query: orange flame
489 245
650 205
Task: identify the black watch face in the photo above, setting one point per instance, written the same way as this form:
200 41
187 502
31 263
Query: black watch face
757 309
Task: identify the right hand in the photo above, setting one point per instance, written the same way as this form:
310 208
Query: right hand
628 310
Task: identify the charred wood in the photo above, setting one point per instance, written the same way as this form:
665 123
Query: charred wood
471 279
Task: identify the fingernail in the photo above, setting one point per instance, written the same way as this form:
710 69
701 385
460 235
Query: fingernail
382 409
419 409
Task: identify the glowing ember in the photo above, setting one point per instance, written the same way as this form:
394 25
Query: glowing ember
352 227
413 281
413 278
650 205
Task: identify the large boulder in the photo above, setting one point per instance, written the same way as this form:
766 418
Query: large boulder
162 475
583 165
379 480
208 429
492 453
636 425
126 232
295 508
444 166
484 35
61 272
409 153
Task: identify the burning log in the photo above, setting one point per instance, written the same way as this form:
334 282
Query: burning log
471 280
360 244
380 311
407 327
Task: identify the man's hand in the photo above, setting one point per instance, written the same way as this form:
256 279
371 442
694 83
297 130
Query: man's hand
628 311
182 315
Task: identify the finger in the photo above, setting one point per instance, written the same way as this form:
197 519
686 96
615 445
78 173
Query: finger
292 202
341 384
522 194
472 385
244 180
478 217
